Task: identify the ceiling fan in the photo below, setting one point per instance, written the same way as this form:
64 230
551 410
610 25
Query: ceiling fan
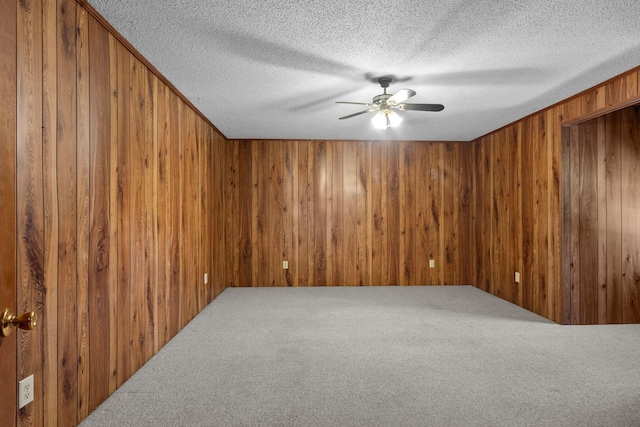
385 103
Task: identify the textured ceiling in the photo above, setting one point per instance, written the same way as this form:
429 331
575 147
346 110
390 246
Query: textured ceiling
273 69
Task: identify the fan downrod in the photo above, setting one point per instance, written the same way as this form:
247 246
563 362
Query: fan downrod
384 82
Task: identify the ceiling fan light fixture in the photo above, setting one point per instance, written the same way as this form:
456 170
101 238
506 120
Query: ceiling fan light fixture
386 119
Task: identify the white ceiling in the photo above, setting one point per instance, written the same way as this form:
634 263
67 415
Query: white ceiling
273 69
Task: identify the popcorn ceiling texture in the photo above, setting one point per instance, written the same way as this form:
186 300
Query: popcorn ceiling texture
273 69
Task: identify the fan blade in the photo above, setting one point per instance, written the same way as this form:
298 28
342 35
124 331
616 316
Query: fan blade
357 114
401 96
421 107
354 103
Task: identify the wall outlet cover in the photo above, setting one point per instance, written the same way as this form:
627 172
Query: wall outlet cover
25 391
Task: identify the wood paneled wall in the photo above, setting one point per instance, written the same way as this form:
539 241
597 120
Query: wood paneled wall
116 210
520 178
347 213
603 169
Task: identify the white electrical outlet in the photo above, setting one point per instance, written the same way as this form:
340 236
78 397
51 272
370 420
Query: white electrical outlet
206 278
285 265
517 277
432 263
25 391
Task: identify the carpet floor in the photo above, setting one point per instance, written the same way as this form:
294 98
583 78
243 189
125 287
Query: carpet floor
381 356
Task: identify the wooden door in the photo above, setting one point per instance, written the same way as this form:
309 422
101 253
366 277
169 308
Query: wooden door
8 368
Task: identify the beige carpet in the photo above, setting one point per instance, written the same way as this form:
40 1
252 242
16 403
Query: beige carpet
386 356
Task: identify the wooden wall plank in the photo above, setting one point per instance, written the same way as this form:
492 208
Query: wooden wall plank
274 228
312 261
350 214
588 225
189 226
423 250
50 314
286 209
393 214
447 238
440 211
255 160
30 220
8 289
138 331
378 222
363 231
514 144
162 190
124 217
99 232
295 212
554 310
82 156
151 212
328 229
601 215
407 217
630 157
337 233
613 203
219 249
174 215
498 208
263 214
113 213
543 216
67 393
320 213
244 213
574 203
303 210
439 192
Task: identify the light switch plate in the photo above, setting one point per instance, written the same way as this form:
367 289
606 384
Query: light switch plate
517 277
432 263
285 265
206 278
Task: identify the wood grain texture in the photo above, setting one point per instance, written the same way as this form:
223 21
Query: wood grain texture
112 178
82 156
104 224
30 209
51 218
336 229
601 165
99 210
101 198
8 91
548 205
124 218
613 216
588 225
349 214
138 332
337 215
630 139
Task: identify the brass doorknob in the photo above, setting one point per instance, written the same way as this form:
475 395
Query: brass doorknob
26 321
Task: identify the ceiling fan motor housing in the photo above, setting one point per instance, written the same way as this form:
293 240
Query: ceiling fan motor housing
381 101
